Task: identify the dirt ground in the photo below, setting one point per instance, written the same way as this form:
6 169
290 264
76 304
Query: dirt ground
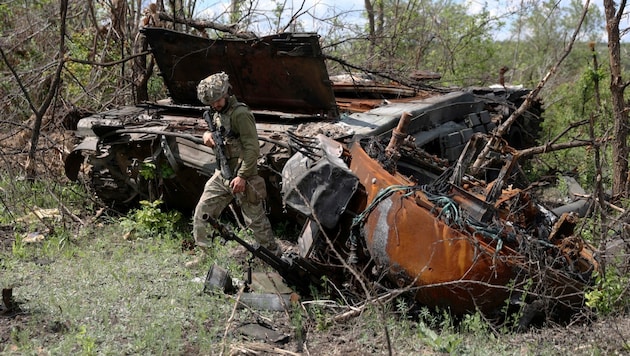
276 335
608 336
356 336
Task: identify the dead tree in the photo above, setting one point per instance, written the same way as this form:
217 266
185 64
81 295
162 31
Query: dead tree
43 107
617 89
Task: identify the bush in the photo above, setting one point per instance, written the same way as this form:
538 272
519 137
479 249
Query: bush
149 221
612 295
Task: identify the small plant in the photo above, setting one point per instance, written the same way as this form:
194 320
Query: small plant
445 342
87 343
562 185
612 294
149 170
427 317
18 247
20 338
297 321
316 311
474 324
151 221
518 299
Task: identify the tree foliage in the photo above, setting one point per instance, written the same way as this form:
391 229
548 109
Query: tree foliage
440 36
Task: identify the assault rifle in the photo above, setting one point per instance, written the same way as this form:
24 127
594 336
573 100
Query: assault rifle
219 146
295 270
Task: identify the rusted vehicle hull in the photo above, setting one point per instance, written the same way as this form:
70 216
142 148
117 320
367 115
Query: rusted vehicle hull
447 266
283 78
433 246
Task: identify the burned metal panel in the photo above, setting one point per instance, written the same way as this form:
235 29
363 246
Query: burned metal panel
193 155
284 72
319 187
110 118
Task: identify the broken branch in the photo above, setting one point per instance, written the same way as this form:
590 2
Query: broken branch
571 126
108 64
552 147
358 310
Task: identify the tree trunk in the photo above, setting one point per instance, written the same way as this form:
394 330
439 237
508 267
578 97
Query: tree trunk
617 88
141 72
41 111
235 11
177 9
369 10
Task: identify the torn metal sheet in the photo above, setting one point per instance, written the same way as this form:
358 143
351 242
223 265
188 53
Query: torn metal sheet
293 79
321 188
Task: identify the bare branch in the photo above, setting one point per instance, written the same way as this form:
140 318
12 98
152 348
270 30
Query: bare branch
552 147
204 24
620 12
108 64
567 129
294 17
19 81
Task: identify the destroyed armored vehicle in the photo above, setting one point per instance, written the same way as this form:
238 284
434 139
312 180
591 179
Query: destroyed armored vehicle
376 173
153 150
457 242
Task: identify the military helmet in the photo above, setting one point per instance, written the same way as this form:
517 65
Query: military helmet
213 88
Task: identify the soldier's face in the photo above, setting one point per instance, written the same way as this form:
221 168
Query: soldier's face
219 104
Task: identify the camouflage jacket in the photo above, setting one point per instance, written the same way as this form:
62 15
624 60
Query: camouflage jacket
238 126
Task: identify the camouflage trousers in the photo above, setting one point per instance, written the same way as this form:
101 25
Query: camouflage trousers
216 196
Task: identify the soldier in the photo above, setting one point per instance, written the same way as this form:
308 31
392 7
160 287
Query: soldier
236 123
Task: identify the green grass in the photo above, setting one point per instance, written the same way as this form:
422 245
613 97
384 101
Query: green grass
88 290
114 296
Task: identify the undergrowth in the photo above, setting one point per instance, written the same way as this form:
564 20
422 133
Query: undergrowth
118 285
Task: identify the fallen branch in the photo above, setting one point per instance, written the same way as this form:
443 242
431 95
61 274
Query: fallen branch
253 348
615 207
231 318
356 311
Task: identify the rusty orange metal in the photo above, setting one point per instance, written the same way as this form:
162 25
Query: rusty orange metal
445 263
